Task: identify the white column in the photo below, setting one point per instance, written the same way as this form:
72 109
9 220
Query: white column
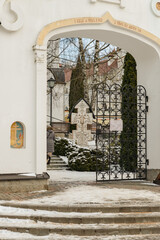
41 85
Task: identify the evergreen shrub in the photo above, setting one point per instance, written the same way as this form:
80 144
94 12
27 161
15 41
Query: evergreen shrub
63 147
79 158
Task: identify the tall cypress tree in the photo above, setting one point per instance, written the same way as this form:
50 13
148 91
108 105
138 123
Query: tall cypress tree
128 138
77 84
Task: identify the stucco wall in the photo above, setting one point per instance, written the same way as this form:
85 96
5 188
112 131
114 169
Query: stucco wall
23 80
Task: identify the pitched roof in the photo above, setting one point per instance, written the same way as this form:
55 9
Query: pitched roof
90 109
58 74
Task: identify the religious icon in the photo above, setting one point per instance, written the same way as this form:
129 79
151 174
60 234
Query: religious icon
158 6
16 135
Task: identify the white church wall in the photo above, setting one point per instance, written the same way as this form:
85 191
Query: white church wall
23 75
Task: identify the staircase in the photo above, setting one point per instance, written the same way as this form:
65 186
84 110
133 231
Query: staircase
95 222
57 163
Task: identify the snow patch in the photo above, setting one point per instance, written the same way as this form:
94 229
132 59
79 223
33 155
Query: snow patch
28 174
65 159
99 195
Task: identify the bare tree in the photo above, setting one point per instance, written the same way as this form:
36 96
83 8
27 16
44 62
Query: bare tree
100 61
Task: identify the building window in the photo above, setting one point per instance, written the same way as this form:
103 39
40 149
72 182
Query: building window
17 135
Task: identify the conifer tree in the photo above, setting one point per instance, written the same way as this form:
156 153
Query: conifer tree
128 139
77 84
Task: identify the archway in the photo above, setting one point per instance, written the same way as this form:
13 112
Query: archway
141 44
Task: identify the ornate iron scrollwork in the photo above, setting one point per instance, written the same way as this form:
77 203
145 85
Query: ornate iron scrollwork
121 155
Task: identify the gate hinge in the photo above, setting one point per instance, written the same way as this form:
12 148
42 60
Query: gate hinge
147 108
146 98
147 162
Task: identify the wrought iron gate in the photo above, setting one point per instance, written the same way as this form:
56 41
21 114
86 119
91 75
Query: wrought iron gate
121 133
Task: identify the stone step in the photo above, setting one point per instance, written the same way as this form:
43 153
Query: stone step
85 208
86 219
57 161
40 229
55 157
57 165
57 168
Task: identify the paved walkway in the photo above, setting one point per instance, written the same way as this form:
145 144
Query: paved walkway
62 180
70 188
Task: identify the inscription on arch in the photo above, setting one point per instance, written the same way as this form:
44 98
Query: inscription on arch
158 5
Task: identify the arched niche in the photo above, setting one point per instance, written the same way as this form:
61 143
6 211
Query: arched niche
17 135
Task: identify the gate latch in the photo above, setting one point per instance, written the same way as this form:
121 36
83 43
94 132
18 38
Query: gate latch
147 108
147 162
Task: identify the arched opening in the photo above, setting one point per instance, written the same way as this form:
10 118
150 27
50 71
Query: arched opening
99 95
143 49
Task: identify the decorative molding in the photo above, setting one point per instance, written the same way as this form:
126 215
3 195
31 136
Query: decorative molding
11 26
93 20
40 54
155 4
121 3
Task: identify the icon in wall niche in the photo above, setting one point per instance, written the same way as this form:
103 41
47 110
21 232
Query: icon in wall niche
158 6
17 135
155 4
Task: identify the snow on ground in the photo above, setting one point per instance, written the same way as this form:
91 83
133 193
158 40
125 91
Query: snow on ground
16 221
93 194
65 159
31 212
85 194
71 176
80 194
150 184
8 235
76 176
28 174
5 234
